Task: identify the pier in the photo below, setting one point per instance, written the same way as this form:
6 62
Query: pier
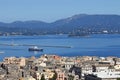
37 45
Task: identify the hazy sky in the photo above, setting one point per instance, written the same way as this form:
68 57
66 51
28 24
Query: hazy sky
51 10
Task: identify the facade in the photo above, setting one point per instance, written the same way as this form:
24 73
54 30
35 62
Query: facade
100 68
86 69
109 74
69 65
13 60
60 75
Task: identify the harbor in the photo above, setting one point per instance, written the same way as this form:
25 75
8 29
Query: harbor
62 45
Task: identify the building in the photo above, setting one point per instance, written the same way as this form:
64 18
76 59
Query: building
69 64
108 74
13 60
76 72
86 69
100 68
103 76
60 75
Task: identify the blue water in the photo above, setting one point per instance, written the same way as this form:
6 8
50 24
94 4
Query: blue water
94 45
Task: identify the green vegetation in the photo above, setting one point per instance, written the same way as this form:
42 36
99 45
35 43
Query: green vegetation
54 76
118 79
42 77
70 77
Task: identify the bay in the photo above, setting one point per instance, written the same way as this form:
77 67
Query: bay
94 45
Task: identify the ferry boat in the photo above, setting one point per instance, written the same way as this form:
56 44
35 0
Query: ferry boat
35 48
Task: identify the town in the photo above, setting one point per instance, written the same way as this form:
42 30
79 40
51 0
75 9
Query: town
54 67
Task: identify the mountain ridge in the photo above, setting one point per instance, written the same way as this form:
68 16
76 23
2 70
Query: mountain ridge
83 22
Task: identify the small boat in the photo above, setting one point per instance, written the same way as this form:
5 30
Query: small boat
35 48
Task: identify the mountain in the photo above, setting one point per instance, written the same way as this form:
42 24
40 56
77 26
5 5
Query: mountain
90 21
23 26
81 22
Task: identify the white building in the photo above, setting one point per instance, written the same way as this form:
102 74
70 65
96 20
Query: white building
68 65
86 69
110 74
100 68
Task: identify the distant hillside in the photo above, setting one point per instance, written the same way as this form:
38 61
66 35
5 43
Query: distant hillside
81 22
90 21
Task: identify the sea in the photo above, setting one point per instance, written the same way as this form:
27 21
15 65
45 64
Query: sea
101 45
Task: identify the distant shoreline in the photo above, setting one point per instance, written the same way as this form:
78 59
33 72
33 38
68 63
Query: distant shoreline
61 34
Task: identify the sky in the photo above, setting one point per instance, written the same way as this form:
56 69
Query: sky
52 10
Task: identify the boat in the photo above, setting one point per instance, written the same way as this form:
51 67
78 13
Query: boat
35 48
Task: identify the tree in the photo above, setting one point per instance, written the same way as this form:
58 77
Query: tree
70 77
54 76
42 77
118 78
